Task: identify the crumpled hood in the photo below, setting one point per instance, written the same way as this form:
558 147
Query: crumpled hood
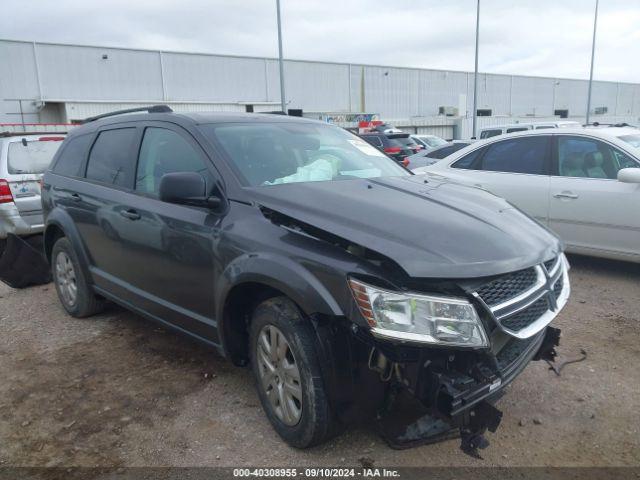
437 229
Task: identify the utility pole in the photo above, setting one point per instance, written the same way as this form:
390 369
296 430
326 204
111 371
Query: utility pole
475 73
283 101
593 51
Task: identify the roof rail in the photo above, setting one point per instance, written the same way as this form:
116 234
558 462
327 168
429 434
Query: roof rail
6 134
598 124
151 109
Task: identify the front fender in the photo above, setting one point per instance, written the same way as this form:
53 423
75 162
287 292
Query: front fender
281 273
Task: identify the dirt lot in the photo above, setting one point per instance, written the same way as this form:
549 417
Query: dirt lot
116 390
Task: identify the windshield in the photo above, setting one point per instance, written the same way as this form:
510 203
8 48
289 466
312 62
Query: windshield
633 140
35 157
276 153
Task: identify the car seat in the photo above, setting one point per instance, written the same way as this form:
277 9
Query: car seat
573 166
593 165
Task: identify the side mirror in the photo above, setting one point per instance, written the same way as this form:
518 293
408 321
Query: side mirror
187 188
629 175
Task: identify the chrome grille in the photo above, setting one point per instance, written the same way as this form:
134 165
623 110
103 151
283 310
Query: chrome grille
526 317
549 264
524 302
507 286
559 285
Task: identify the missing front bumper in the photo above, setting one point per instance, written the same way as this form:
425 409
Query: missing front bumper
449 404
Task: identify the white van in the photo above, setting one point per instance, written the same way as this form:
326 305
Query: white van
488 132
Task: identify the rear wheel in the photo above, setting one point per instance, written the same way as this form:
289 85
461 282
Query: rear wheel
287 373
74 292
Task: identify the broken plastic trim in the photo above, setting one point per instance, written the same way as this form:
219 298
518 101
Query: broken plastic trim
454 404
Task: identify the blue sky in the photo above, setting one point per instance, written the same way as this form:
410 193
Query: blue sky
528 37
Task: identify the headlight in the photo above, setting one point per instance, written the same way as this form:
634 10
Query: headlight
419 318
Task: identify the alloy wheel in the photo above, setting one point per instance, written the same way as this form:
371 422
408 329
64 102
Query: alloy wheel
66 279
279 375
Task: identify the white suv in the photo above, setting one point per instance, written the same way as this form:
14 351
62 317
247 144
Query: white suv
582 183
23 160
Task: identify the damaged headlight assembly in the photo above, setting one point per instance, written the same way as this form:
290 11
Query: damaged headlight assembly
417 317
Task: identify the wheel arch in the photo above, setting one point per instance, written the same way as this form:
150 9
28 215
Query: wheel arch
253 278
59 224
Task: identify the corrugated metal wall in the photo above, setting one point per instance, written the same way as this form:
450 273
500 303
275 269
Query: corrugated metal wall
76 74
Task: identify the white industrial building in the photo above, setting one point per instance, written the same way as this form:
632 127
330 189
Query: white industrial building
54 83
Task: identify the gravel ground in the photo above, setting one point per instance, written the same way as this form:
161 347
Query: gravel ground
116 390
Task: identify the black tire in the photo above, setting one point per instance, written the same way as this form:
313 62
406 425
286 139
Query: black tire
316 423
86 302
3 245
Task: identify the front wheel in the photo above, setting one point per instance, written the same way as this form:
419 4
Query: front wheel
287 373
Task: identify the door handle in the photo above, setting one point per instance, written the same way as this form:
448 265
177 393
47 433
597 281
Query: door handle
566 195
75 197
130 214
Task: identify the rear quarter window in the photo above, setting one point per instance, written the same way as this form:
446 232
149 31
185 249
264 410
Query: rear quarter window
72 156
111 160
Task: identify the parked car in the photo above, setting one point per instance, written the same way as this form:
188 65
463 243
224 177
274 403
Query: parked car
23 160
429 141
337 275
489 132
398 146
582 183
433 155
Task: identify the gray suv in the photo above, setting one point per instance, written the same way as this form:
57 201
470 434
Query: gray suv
352 287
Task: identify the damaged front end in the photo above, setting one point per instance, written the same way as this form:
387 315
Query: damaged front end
444 393
430 356
436 391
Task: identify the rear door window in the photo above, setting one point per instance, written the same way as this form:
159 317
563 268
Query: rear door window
34 157
111 160
518 155
72 156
